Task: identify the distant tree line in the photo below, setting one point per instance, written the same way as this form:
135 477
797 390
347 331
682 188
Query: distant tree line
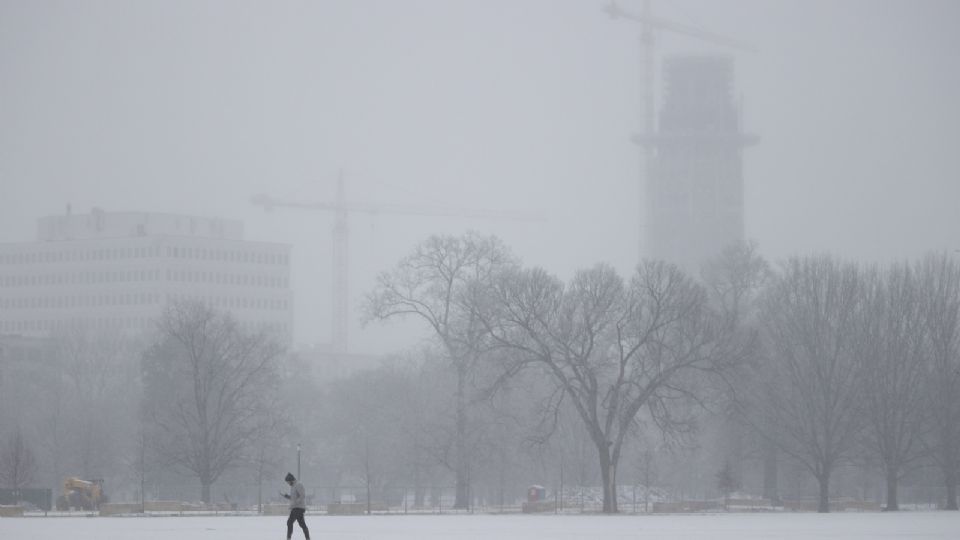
860 360
823 360
657 378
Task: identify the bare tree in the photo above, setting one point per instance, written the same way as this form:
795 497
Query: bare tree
139 463
368 422
263 462
433 285
99 390
806 391
28 392
734 281
210 390
939 276
612 349
727 481
17 464
891 370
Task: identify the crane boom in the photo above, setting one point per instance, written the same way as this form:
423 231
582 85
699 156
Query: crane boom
615 11
411 210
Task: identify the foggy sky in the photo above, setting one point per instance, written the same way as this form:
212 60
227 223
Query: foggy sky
515 105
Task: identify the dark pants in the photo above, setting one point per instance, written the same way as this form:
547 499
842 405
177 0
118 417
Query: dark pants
296 514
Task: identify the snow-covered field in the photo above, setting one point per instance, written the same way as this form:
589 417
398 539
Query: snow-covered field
848 526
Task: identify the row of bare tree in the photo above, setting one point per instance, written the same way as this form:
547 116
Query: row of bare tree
860 359
824 359
821 359
609 346
65 404
197 397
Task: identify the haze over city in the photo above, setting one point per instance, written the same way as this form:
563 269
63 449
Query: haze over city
523 107
524 263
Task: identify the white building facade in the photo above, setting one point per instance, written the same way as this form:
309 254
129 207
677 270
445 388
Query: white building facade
116 272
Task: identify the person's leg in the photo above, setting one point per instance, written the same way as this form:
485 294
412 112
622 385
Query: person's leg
290 522
303 523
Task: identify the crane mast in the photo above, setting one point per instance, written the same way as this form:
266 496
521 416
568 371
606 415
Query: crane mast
341 274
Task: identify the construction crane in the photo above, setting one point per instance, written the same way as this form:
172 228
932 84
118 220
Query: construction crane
341 209
648 25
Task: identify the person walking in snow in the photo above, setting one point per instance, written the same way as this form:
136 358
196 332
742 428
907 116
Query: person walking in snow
298 505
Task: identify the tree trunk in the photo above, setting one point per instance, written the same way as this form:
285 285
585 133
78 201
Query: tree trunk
892 504
824 506
461 500
608 472
366 468
205 492
419 491
951 480
771 471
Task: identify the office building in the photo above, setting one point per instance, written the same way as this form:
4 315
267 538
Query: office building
115 272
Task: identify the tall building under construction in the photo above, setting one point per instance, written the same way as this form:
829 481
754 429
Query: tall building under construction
694 176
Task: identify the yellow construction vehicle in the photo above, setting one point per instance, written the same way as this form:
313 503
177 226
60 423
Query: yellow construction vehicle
81 494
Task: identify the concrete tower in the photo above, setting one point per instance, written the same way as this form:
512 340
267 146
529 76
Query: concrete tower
694 190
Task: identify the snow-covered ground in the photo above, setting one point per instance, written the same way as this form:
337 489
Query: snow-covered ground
845 526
